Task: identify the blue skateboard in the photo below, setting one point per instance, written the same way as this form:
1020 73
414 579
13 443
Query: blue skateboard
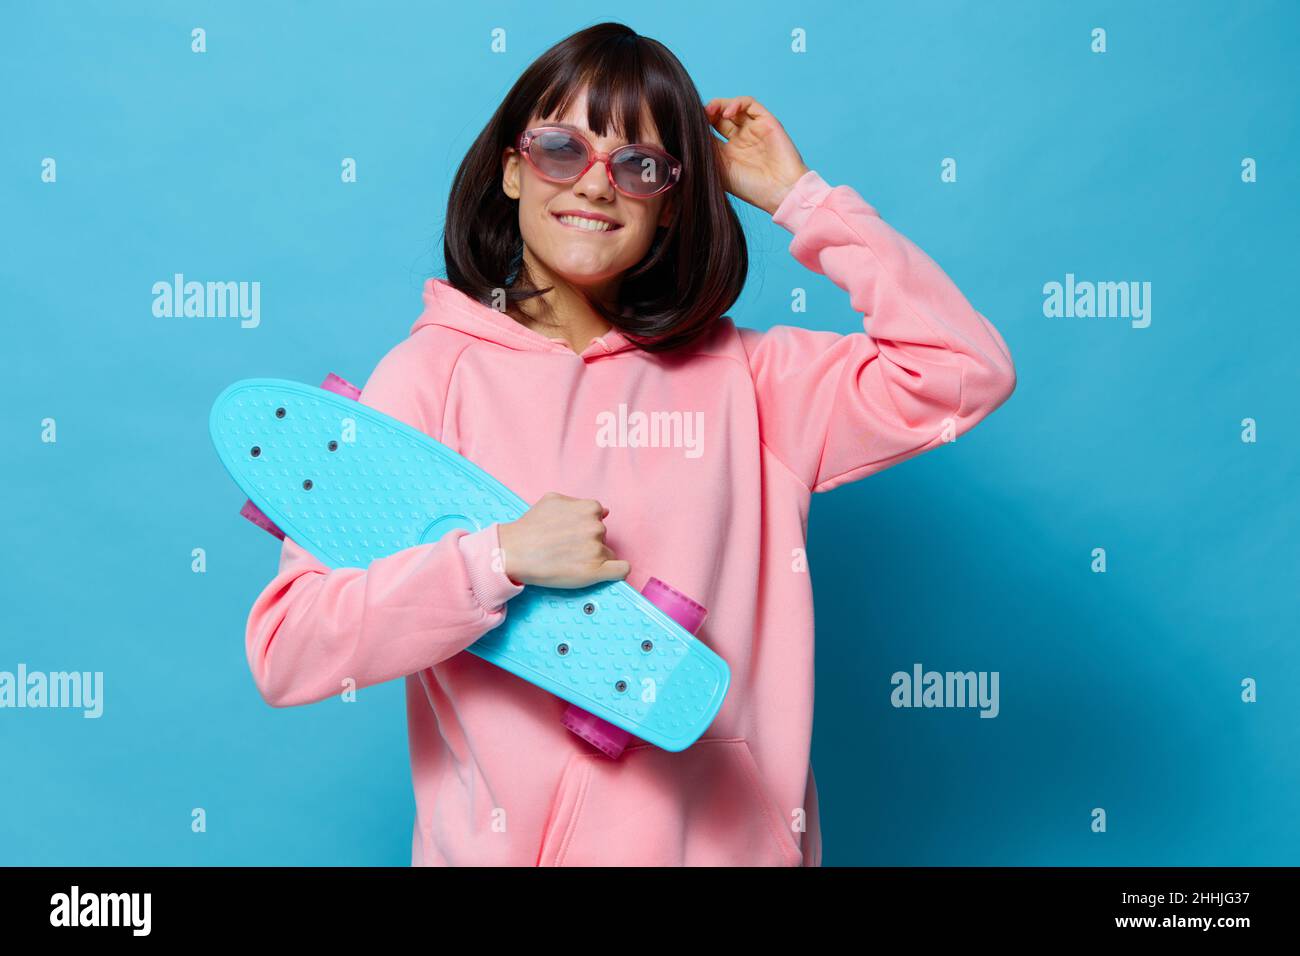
350 484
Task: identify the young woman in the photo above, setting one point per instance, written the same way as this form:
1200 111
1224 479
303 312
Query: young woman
591 256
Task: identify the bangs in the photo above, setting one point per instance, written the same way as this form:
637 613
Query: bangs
620 87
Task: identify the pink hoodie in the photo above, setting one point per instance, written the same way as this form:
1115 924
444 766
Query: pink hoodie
719 512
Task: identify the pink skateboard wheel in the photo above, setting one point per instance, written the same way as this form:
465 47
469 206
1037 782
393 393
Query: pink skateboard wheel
254 514
333 383
340 386
601 734
689 614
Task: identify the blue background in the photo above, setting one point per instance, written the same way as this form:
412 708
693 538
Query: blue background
1118 690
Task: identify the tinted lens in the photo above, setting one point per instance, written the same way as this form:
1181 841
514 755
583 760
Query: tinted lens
640 170
559 154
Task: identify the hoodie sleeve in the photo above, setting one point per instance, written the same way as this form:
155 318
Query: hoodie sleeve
313 627
926 367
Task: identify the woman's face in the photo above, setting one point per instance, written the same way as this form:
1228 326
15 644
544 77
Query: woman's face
591 259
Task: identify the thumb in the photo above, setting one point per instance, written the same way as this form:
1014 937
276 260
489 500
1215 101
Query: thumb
613 571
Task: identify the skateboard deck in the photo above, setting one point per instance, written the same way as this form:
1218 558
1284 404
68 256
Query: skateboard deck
350 484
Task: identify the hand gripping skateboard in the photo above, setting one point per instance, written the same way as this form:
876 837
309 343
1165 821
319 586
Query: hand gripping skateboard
350 484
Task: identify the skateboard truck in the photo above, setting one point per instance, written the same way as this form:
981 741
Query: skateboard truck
601 734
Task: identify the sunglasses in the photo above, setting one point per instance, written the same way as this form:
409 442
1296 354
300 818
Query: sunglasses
562 156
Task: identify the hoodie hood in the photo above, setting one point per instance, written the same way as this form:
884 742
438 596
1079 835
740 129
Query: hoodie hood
447 306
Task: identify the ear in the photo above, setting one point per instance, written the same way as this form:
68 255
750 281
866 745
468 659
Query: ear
510 172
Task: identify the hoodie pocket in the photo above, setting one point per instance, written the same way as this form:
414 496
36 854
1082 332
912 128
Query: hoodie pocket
704 806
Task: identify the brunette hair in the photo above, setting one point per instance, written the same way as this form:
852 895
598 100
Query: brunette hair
696 266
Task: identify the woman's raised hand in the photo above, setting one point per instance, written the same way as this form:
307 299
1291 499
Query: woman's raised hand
760 160
560 543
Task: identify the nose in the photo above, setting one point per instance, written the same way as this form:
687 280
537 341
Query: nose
594 183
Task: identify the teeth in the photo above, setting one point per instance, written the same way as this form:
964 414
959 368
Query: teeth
591 225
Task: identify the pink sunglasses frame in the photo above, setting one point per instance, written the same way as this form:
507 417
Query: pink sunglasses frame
524 144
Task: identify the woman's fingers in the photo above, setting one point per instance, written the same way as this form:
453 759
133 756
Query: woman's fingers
560 542
721 112
744 107
613 571
728 115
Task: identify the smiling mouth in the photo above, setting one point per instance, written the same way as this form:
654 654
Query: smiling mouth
586 225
